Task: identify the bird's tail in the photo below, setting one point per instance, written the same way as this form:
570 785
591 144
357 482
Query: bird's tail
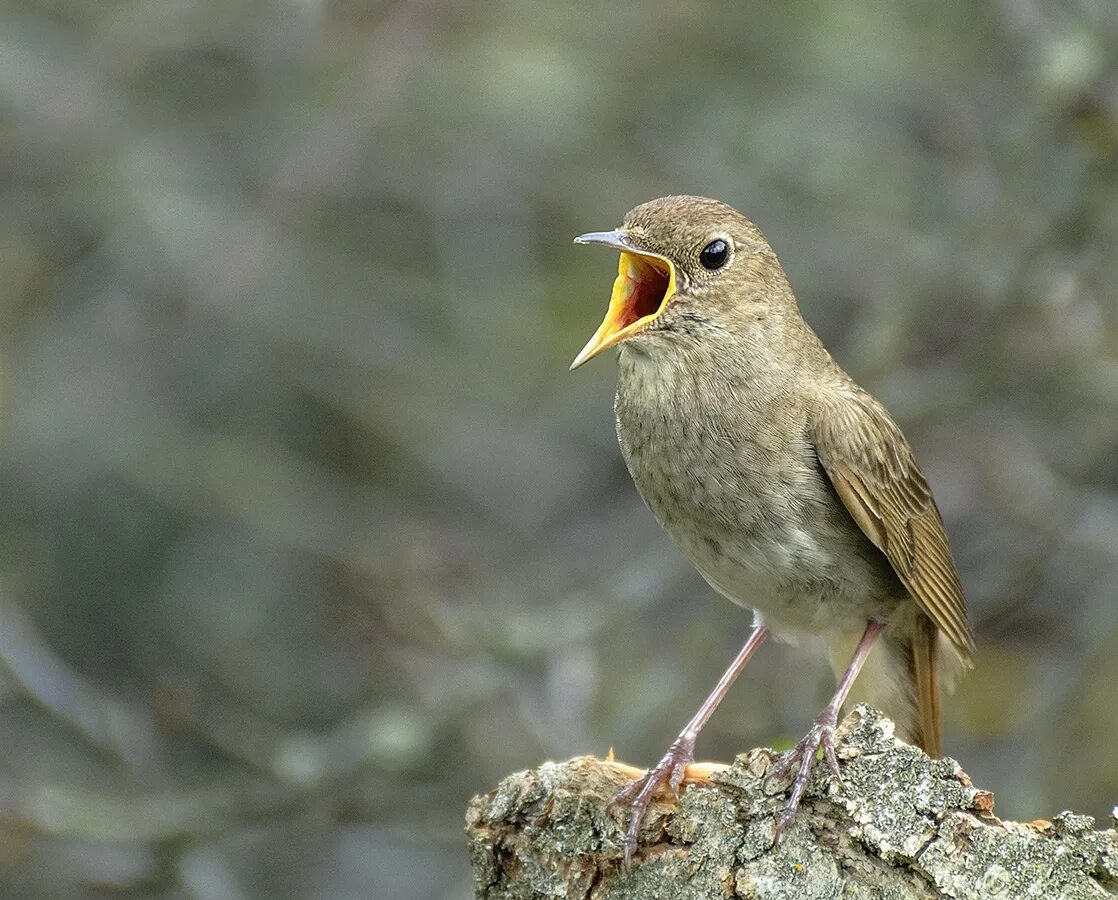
924 671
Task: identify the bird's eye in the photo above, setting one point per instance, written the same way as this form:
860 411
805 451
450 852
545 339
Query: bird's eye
715 254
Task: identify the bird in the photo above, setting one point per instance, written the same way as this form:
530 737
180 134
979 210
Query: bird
786 485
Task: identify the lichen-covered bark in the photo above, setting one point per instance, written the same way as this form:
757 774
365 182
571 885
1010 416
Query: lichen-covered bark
900 825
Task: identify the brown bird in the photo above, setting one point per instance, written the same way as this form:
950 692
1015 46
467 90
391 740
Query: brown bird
786 485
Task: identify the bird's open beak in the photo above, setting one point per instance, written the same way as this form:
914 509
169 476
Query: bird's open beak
644 285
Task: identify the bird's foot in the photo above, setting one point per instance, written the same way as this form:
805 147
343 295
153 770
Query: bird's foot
668 772
802 759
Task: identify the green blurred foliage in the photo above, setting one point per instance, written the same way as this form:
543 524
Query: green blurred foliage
307 533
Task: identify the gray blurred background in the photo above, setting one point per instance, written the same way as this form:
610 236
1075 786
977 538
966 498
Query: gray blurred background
308 534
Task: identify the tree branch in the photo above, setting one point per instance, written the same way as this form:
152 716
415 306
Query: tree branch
900 825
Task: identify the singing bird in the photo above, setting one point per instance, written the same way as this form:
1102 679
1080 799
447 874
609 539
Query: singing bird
789 487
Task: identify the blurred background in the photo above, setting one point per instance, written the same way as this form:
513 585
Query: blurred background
308 534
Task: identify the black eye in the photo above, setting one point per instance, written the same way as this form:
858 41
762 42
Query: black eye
715 254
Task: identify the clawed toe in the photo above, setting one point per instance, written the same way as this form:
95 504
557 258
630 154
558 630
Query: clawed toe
801 758
638 794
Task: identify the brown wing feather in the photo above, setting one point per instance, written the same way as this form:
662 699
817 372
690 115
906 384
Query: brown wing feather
875 474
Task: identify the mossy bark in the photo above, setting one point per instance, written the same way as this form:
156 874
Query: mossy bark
899 825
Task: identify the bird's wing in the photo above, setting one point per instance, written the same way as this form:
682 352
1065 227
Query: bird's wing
873 470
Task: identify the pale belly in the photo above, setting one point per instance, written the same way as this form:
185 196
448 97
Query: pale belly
795 575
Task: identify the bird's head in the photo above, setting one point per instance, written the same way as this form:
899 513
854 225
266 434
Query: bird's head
691 270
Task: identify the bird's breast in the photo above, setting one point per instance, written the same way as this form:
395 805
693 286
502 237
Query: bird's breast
732 478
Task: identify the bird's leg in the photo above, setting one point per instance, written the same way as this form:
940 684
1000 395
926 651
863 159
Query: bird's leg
671 769
822 733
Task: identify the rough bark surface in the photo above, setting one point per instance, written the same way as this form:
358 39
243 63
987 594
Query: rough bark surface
900 825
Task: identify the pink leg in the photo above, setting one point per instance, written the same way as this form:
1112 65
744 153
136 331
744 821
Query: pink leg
670 770
822 733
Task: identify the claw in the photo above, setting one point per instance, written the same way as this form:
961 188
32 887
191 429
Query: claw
802 759
669 771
